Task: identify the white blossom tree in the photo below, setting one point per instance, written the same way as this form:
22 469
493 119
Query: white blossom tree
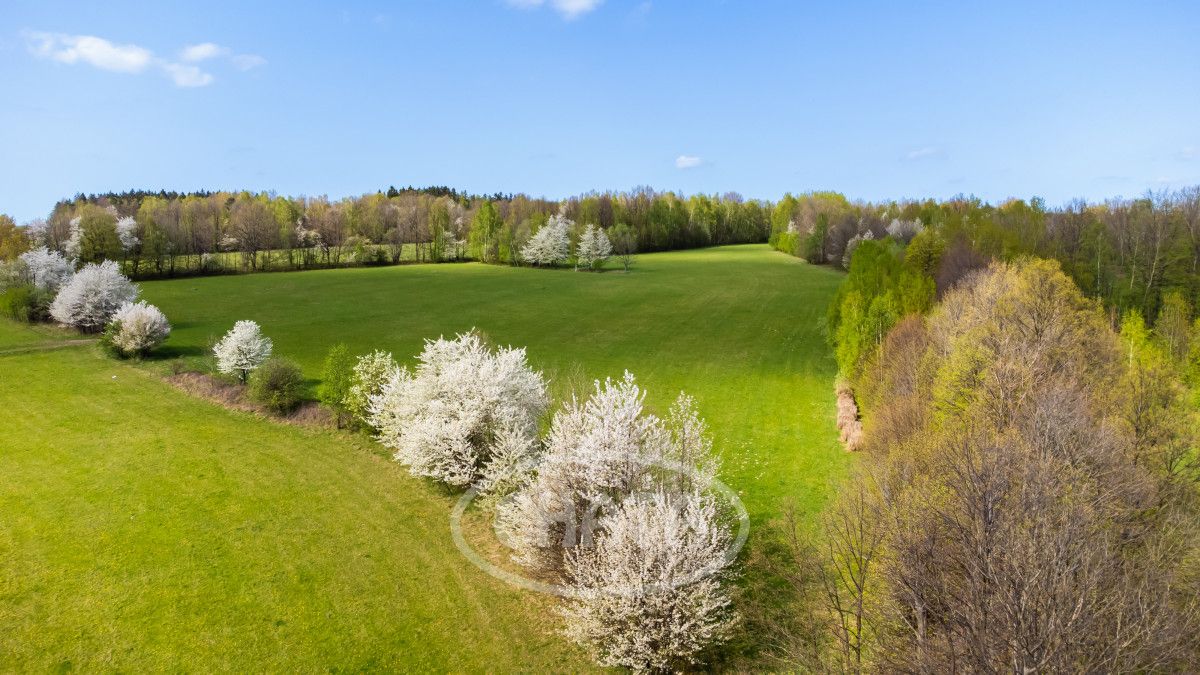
243 349
90 298
852 245
47 270
649 594
138 327
371 372
903 231
594 248
619 510
551 245
443 419
599 452
74 243
127 234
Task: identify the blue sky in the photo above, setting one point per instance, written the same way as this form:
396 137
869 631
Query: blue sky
557 97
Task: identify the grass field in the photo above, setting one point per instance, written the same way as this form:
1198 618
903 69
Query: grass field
739 328
142 529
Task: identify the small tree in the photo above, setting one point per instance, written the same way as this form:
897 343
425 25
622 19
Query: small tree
92 296
13 240
47 270
594 248
1174 325
243 349
136 328
371 372
551 245
278 384
624 244
443 418
649 595
336 379
599 452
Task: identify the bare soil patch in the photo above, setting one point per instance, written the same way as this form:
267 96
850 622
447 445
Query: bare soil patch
233 396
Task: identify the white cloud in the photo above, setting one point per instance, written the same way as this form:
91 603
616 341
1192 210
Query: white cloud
919 153
209 50
89 49
185 75
202 52
247 61
105 55
1188 153
687 162
569 9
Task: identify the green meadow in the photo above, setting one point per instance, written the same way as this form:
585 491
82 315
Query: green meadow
144 529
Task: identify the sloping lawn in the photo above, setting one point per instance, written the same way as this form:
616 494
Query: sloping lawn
143 530
738 327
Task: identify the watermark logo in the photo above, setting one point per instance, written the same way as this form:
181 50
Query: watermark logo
581 528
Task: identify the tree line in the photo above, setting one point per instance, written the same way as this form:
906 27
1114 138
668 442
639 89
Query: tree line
1126 252
153 234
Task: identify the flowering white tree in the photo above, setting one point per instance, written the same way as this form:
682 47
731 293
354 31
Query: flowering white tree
649 594
600 452
127 233
38 232
371 372
904 230
243 349
551 245
443 418
138 327
74 243
852 245
619 510
89 299
594 248
47 270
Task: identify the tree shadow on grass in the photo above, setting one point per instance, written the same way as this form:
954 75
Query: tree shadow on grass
169 351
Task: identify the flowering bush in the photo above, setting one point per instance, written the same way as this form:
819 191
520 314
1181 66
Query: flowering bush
598 453
92 296
243 349
371 372
136 328
47 270
648 595
618 509
551 245
594 248
443 419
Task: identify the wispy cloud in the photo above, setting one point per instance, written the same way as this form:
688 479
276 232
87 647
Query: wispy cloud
208 50
202 52
247 61
187 75
133 59
569 9
921 153
1188 153
94 51
687 162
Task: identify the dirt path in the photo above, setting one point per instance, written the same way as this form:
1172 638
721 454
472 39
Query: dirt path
45 346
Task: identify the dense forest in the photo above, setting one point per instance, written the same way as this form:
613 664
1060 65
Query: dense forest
1025 385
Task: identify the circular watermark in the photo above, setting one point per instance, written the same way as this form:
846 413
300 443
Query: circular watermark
583 529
